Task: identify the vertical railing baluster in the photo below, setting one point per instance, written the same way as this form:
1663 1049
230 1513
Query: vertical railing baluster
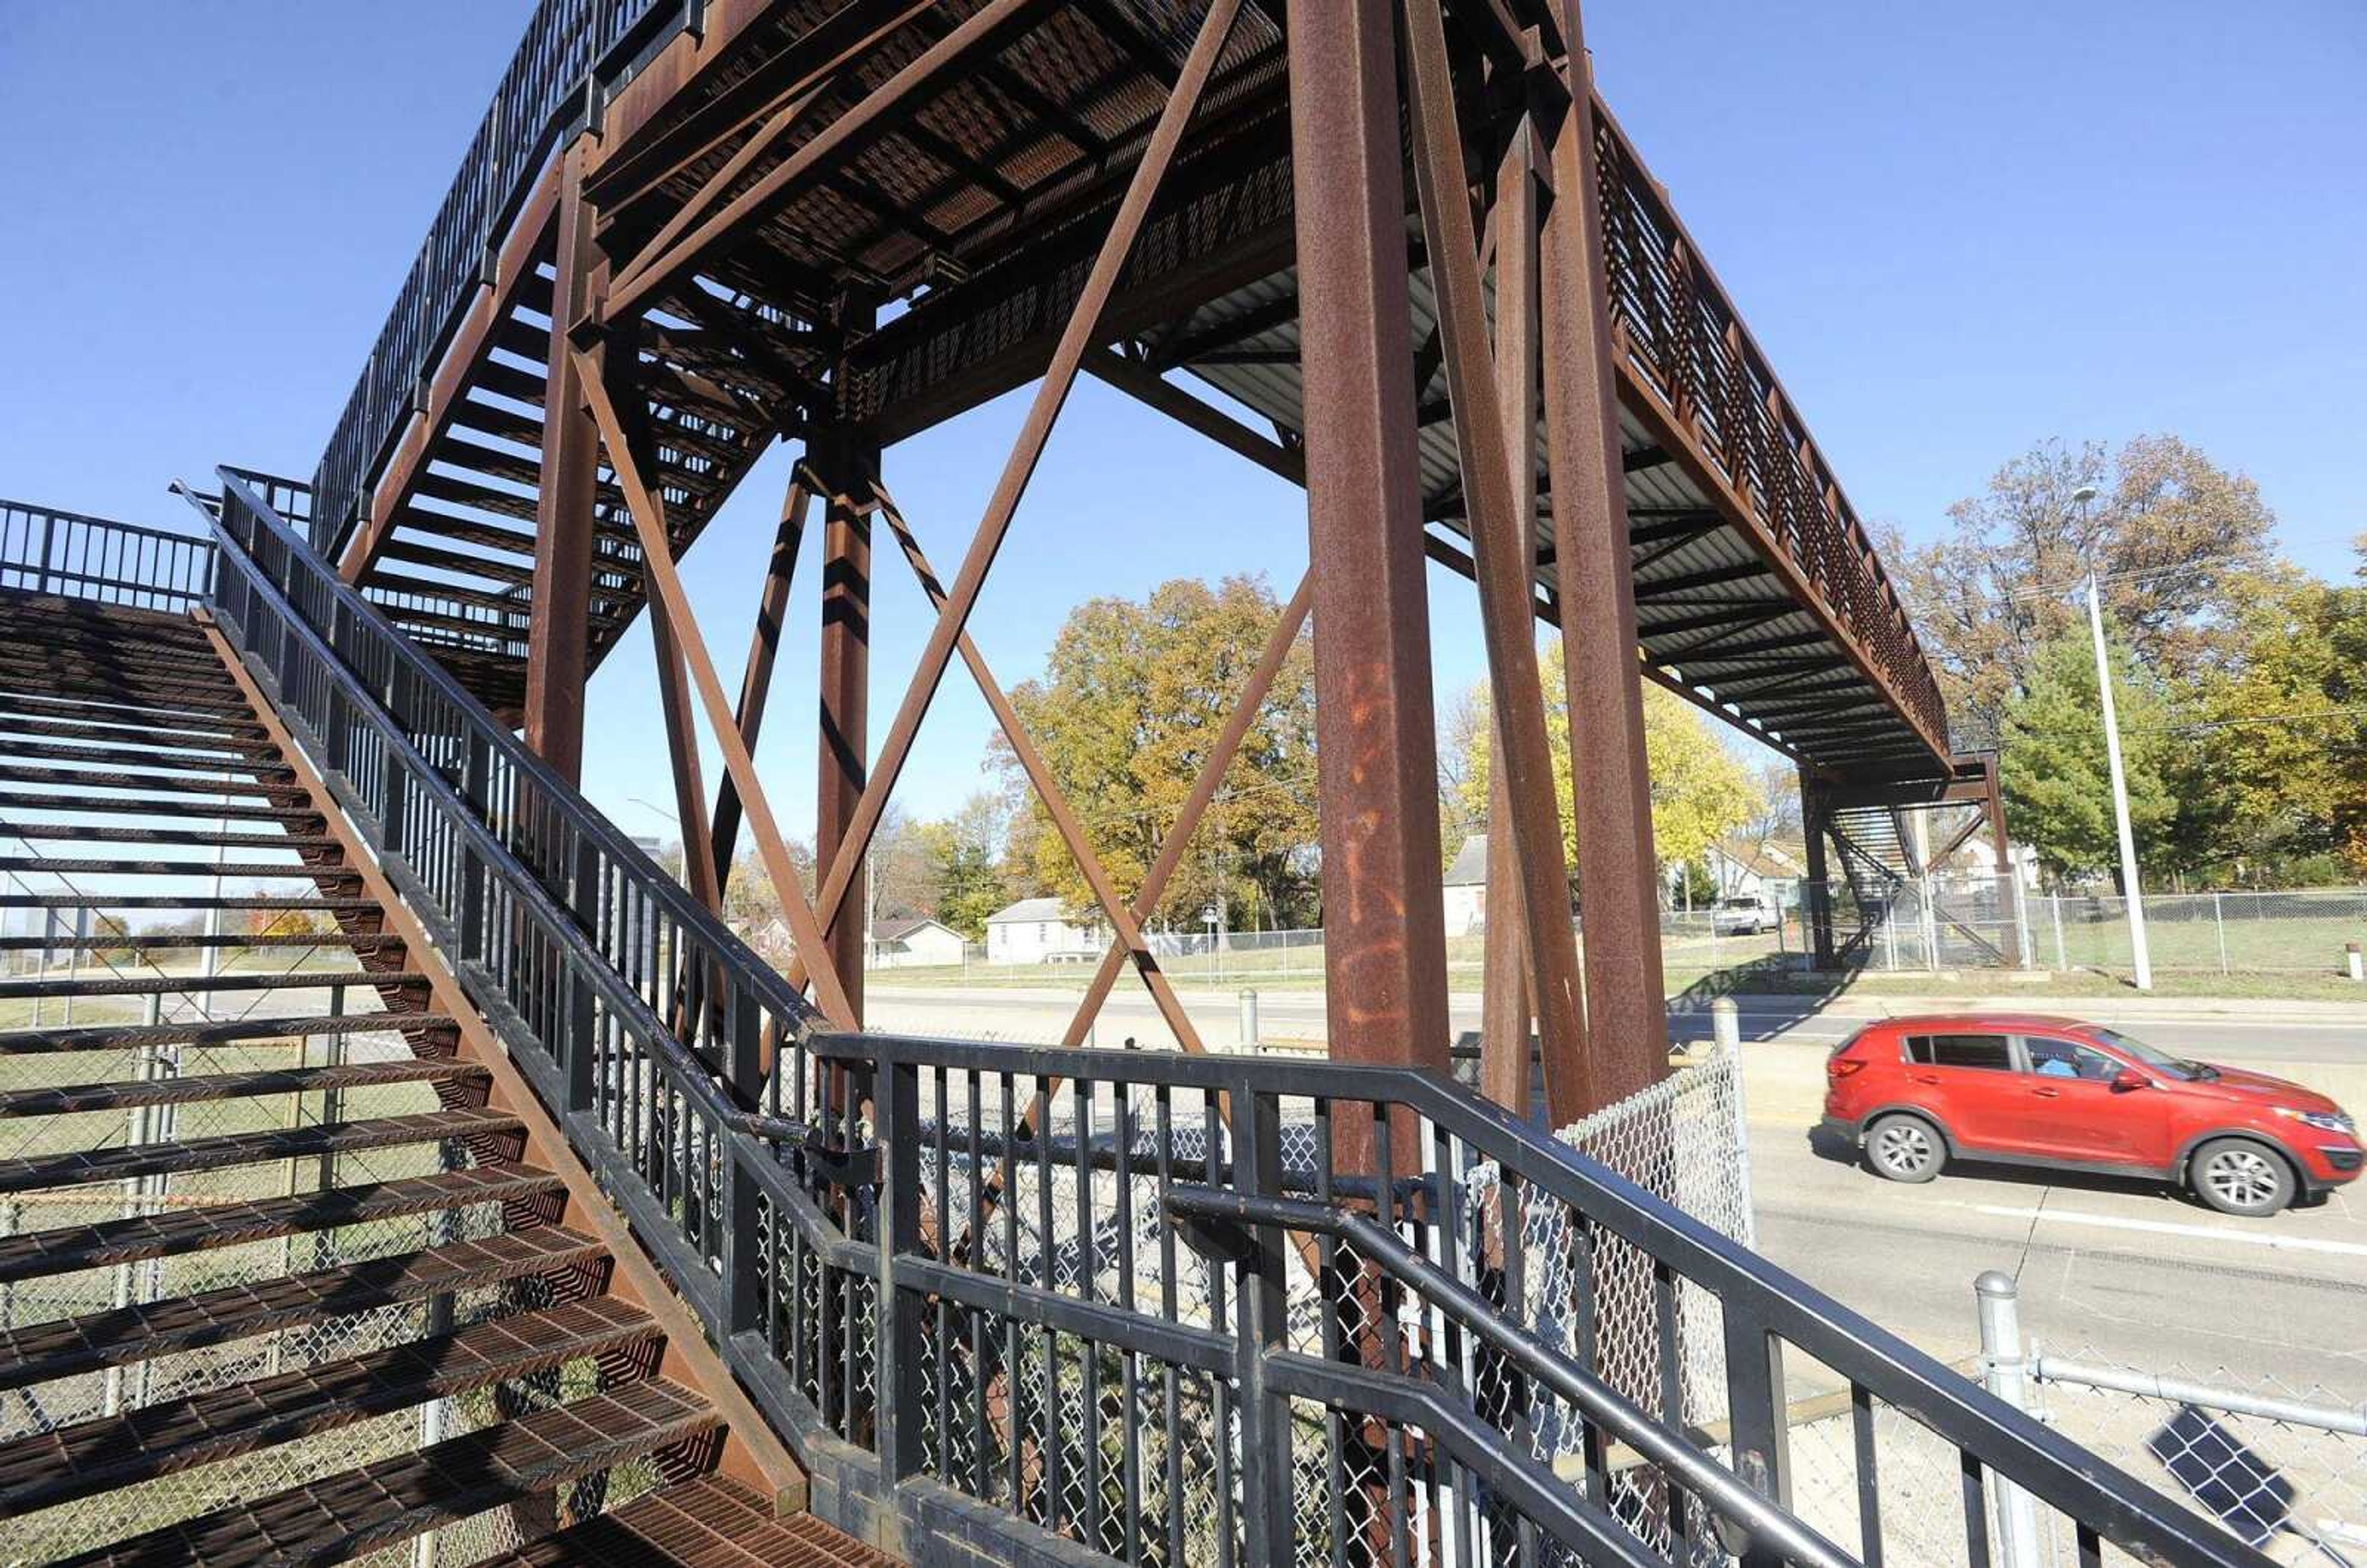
896 1312
1868 1476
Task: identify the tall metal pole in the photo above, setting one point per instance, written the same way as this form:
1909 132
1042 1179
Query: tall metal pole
2131 896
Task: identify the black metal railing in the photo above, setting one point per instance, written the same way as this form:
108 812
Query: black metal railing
574 53
43 550
1182 1312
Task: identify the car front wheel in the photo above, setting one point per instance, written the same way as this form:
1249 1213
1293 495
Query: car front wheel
2237 1176
1905 1148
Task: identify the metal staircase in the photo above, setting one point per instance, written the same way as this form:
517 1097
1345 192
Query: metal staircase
292 1270
574 1239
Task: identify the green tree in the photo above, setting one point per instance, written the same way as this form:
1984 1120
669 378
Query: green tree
962 852
2183 545
1133 695
2280 730
1701 792
2054 769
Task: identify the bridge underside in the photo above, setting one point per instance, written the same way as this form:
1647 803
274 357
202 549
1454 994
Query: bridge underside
1484 340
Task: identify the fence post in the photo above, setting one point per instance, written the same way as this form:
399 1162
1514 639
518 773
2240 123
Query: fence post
2055 904
1249 1020
2004 1370
1267 1524
896 1312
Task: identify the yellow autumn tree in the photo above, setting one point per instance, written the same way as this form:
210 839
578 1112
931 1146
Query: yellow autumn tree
1701 791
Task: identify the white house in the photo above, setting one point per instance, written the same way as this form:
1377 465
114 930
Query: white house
1039 930
1467 887
910 942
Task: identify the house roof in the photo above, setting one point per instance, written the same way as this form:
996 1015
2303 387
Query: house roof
1470 867
901 925
1047 909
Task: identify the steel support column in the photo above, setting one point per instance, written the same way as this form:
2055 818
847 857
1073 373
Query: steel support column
1817 900
559 639
1618 875
847 467
1383 922
2008 907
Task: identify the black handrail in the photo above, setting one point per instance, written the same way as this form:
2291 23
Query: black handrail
1605 1406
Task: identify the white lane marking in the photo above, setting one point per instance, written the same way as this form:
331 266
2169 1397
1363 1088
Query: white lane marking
2163 1227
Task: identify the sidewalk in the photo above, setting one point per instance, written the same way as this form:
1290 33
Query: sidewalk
1843 1004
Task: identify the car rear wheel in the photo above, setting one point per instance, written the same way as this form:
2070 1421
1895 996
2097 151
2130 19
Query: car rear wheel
1905 1148
2237 1176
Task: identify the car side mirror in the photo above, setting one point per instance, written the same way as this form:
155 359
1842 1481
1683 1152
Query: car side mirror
2125 1080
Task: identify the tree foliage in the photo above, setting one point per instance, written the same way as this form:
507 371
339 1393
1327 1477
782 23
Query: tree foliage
2053 769
1701 791
2180 540
1133 695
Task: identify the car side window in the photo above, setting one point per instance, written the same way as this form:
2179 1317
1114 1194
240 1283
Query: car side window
1993 1053
2067 1059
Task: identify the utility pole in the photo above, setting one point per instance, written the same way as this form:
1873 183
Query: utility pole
2131 896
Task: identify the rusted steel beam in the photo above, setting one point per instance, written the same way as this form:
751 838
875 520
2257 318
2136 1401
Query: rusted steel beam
559 639
764 648
1048 789
849 468
1204 784
836 144
641 164
1028 448
1617 871
648 517
1503 554
1816 907
1384 928
682 751
1146 386
1507 1000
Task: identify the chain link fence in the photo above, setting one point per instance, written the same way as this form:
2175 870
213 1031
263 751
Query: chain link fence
2281 1464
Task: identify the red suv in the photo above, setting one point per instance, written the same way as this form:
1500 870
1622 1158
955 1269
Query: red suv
2026 1089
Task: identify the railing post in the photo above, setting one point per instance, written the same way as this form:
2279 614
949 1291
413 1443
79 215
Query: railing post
398 793
578 1045
2002 1368
1261 1326
745 1258
1761 1436
476 772
895 1321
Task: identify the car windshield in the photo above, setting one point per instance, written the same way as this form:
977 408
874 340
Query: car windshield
1742 903
2152 1057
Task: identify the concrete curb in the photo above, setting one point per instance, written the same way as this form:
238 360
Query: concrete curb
1847 1006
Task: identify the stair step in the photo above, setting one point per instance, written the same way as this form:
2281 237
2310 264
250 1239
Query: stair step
712 1522
104 710
93 778
122 1036
368 942
62 866
382 1504
176 709
90 833
182 901
117 1336
122 734
75 1168
188 804
68 1249
58 751
68 1098
195 985
80 1461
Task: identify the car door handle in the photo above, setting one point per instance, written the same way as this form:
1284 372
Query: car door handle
2047 1093
1925 1077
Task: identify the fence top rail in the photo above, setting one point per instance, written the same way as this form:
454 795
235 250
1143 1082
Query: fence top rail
2049 1465
85 519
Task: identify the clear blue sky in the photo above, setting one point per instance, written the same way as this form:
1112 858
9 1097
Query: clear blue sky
1957 231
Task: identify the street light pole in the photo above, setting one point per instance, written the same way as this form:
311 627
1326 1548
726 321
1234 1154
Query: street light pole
2131 896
